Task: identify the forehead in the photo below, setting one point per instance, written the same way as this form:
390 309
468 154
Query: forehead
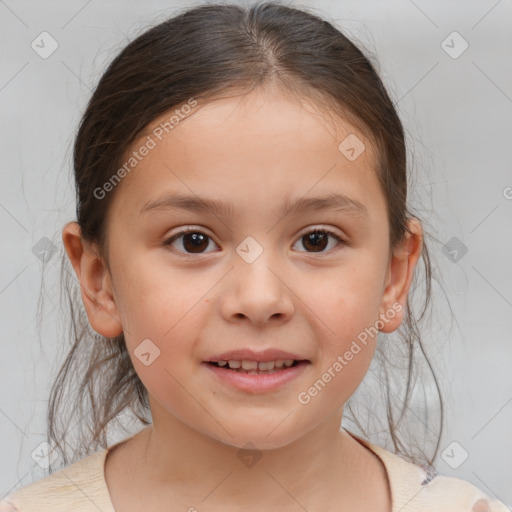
252 148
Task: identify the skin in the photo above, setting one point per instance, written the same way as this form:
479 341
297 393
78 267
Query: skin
252 150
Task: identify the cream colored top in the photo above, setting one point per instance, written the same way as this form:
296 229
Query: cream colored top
81 487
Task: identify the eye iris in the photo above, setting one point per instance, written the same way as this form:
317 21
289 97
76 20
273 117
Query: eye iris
317 238
196 239
196 242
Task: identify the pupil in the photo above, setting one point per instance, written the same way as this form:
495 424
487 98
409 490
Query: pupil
318 239
197 239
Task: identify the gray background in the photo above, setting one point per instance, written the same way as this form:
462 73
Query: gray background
457 112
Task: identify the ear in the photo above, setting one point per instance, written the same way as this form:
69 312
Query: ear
95 282
399 277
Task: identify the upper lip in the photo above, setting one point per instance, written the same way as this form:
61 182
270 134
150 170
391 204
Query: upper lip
270 354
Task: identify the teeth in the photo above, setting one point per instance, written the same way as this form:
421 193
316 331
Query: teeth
249 365
267 365
255 365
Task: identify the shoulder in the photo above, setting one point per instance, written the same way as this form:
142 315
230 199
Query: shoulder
415 488
7 506
79 487
457 494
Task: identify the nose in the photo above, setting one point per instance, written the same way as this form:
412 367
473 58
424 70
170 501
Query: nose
257 292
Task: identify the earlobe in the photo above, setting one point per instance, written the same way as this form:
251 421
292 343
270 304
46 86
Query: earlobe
399 277
95 283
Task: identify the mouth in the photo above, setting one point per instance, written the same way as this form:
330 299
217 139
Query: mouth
257 377
251 367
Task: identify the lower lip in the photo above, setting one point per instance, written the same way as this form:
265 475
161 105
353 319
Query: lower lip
261 383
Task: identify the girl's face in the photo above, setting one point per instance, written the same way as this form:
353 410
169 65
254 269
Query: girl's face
255 276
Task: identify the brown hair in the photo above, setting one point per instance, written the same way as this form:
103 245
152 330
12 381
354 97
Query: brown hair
200 53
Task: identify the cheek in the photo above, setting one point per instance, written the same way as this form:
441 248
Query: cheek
346 350
164 311
165 324
346 309
156 299
346 301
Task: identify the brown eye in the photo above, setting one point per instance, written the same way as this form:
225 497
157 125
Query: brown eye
196 242
318 240
192 241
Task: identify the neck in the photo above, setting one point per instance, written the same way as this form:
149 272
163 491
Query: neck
323 464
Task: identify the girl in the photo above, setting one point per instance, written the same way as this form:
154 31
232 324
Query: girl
242 236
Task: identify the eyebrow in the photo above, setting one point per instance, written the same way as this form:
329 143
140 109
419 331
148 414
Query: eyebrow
333 201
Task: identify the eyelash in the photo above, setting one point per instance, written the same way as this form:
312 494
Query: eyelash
174 237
